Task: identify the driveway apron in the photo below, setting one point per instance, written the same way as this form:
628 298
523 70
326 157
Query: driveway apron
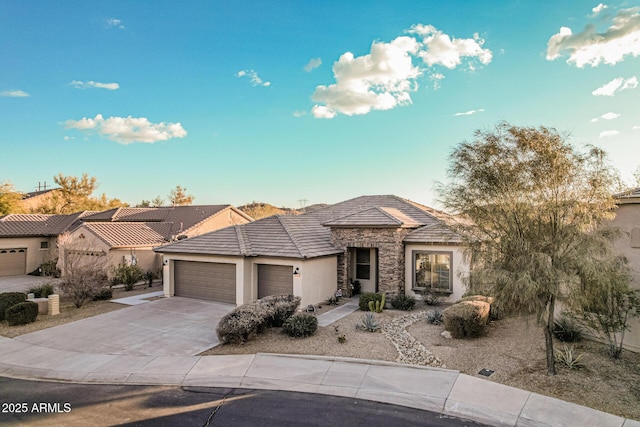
167 327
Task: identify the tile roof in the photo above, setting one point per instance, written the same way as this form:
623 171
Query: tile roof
628 196
410 209
32 225
280 236
305 236
435 233
375 217
127 234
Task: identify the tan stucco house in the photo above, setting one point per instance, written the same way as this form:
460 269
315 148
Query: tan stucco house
387 243
127 236
28 240
627 220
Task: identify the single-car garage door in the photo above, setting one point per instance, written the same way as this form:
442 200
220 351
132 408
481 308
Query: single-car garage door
205 280
274 280
13 261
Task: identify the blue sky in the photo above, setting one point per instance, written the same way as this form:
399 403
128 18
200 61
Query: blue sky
244 101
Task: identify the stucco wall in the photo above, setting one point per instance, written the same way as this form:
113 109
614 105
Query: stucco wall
225 218
391 255
35 255
459 268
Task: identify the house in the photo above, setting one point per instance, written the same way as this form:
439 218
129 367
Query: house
387 243
627 220
32 201
28 240
128 235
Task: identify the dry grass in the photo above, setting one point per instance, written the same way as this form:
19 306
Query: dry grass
512 347
69 313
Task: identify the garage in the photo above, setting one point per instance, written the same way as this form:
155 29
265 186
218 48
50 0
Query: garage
274 280
205 280
13 261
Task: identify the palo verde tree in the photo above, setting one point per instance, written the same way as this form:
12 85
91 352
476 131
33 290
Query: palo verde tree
75 194
528 206
179 197
9 199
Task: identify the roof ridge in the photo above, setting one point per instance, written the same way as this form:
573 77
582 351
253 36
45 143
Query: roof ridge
241 240
383 209
302 253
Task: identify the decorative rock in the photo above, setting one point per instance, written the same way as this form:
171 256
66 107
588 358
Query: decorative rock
410 351
446 334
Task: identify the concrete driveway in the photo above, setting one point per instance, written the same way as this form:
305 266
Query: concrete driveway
165 327
23 283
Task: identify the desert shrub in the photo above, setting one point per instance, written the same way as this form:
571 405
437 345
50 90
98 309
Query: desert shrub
42 291
434 317
47 268
9 299
103 294
377 306
403 302
332 300
82 283
300 325
22 313
368 323
248 320
128 275
363 302
466 319
569 358
567 329
495 313
279 308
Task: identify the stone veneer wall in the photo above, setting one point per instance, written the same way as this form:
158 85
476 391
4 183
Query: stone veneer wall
388 241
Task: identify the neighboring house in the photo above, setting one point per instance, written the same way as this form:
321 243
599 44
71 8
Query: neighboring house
28 240
387 243
128 235
32 201
628 221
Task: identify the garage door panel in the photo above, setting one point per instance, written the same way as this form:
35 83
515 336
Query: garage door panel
13 261
274 280
205 280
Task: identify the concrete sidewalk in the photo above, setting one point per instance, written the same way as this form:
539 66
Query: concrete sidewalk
445 391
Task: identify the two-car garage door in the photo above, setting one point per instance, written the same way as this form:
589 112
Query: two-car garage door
13 261
205 280
217 281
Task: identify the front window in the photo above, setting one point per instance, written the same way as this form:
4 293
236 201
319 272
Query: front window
363 264
432 270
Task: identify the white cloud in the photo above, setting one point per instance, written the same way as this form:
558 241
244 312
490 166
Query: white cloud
589 47
91 84
14 94
313 64
253 78
606 116
441 49
113 23
616 85
299 113
380 80
127 130
69 138
609 133
470 112
435 78
599 8
636 127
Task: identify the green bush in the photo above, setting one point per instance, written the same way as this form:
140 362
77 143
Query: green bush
48 268
403 302
128 275
363 302
568 358
248 320
103 294
9 299
300 325
431 298
466 319
42 291
22 313
567 330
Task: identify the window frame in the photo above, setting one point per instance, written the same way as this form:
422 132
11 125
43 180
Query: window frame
414 254
368 250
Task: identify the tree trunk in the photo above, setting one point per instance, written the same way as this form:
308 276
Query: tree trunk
548 336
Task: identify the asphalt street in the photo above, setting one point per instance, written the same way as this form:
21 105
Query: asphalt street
61 404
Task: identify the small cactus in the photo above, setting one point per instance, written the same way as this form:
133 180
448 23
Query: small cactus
377 306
